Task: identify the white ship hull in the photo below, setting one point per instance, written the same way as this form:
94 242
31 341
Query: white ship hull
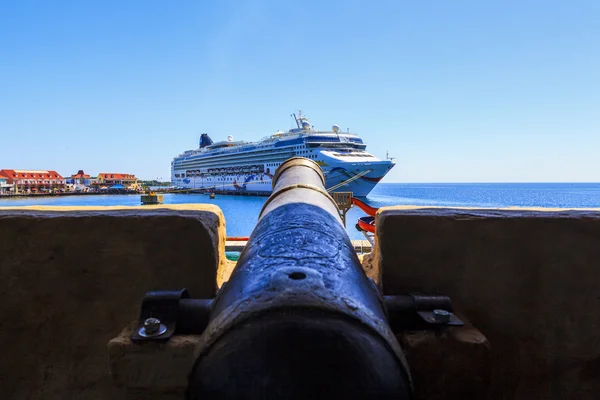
249 167
262 183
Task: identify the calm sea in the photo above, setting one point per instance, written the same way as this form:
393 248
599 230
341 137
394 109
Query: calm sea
241 212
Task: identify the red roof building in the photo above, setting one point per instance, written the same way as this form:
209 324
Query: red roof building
33 180
80 179
80 175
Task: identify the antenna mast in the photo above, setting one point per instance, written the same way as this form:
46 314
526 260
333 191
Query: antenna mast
387 156
298 119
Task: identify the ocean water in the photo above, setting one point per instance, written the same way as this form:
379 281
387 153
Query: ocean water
241 212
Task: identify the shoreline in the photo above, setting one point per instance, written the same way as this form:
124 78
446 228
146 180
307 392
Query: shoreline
39 195
126 193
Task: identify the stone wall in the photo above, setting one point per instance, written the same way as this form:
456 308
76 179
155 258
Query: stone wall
73 278
528 279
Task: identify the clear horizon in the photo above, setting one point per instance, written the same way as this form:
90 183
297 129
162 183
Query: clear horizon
461 92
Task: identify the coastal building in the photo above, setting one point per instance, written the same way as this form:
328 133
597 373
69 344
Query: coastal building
80 178
33 180
5 187
79 182
117 181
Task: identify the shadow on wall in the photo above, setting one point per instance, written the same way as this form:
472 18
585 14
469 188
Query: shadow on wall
71 280
527 279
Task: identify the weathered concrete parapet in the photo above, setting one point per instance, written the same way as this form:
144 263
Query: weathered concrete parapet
528 279
72 277
450 363
154 370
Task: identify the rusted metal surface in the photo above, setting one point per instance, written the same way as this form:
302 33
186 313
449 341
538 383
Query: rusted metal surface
297 162
302 184
162 305
416 312
298 315
360 246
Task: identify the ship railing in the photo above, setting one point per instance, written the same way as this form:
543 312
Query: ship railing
334 133
251 146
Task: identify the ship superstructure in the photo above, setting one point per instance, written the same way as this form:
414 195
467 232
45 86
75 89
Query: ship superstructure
249 166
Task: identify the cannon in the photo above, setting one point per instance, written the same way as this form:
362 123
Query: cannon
298 317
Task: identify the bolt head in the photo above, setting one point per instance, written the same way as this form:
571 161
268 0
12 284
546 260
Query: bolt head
441 316
151 325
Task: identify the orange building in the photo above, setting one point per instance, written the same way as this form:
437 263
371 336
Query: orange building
33 180
110 179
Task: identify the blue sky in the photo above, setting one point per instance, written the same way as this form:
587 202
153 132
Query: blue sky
457 91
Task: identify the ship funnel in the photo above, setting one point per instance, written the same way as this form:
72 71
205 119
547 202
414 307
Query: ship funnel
205 140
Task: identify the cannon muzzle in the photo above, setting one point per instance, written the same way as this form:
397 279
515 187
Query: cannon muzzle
298 317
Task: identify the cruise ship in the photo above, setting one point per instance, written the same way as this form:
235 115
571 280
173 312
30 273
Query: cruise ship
237 166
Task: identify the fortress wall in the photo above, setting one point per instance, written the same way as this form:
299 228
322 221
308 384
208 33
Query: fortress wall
72 278
528 279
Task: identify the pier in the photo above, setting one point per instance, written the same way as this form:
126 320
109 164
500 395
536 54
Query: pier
218 191
66 194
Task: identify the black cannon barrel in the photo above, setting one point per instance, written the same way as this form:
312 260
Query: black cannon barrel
298 317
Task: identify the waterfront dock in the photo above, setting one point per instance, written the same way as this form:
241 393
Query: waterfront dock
219 192
152 198
66 194
212 191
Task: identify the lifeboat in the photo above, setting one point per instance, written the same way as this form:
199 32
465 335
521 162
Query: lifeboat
365 224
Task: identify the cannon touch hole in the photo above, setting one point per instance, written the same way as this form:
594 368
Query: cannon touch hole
297 276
